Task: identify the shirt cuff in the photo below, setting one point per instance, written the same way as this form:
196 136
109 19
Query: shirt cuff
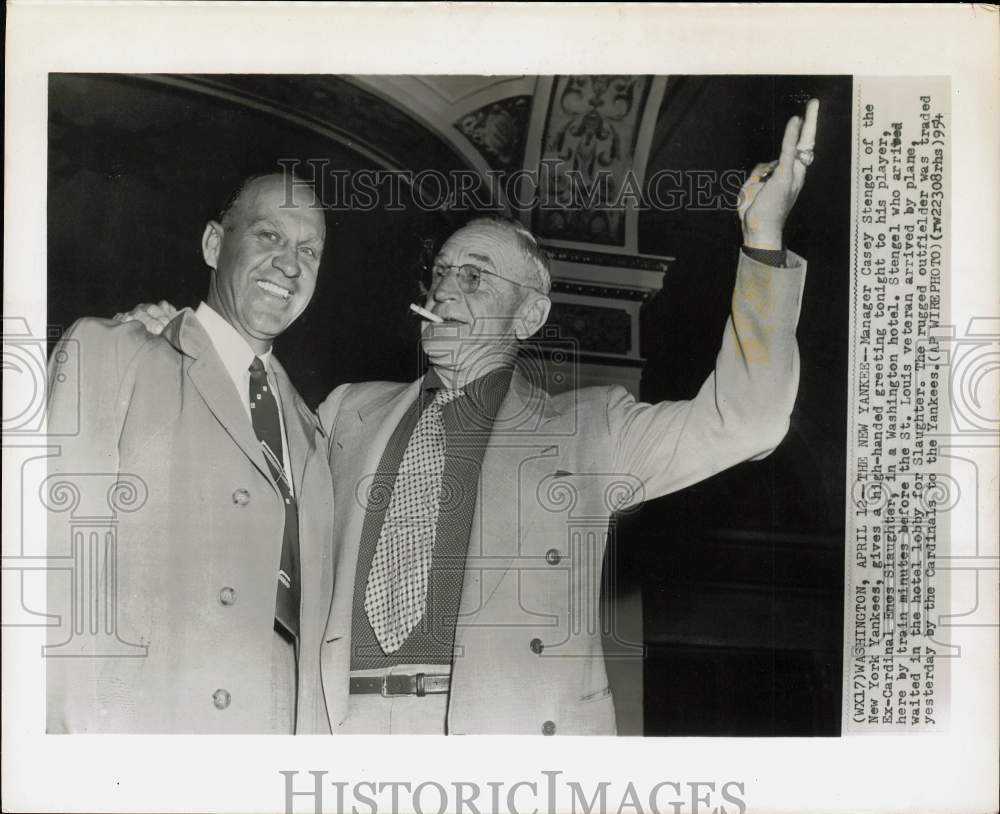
769 257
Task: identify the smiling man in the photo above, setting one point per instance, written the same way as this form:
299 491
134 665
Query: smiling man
221 570
466 592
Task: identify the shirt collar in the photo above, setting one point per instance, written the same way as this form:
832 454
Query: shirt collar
232 348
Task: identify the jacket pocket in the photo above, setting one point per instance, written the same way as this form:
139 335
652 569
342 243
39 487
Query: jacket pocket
596 696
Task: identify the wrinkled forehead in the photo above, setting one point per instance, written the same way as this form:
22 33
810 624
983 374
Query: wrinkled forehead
491 247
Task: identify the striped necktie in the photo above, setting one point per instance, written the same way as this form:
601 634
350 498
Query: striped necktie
267 427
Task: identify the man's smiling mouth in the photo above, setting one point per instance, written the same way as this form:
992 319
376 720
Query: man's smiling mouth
274 290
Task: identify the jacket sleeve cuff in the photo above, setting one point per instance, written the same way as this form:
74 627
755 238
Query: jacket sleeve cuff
769 257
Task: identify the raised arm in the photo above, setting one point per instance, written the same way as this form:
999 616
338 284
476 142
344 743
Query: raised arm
742 410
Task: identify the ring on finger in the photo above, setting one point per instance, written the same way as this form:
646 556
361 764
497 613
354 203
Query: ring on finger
806 156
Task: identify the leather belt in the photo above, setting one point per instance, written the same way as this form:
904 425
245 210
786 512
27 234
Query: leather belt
420 684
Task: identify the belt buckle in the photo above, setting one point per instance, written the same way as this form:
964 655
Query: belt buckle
402 685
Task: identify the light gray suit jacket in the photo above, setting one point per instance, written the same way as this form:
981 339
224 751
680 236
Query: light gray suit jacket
528 655
195 511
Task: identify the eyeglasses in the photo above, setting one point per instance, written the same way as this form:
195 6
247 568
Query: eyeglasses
468 277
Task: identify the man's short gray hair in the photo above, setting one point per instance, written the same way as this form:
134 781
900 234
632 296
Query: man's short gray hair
533 252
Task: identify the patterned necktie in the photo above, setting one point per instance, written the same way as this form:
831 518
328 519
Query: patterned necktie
267 427
397 583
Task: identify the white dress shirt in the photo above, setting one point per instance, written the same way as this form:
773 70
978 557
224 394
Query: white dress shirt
236 357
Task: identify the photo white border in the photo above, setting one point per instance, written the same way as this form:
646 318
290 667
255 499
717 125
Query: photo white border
953 771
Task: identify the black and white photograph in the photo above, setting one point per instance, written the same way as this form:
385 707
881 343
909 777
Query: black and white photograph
618 406
642 401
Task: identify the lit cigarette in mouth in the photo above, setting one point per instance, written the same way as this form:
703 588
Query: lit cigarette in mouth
423 312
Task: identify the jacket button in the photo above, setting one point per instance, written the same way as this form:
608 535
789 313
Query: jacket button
536 646
552 556
221 699
549 728
241 497
227 596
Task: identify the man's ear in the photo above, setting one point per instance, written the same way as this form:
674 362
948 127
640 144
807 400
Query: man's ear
534 314
211 243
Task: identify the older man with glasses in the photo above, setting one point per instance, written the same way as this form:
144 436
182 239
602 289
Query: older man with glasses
466 592
464 602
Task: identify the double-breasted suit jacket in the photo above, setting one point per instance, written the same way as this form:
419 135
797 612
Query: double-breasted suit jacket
527 653
196 544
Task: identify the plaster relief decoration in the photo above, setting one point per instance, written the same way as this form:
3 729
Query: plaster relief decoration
596 329
587 151
499 131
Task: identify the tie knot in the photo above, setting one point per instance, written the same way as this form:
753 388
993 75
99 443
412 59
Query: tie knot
257 368
442 396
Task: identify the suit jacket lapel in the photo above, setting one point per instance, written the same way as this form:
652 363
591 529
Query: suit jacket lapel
209 376
359 441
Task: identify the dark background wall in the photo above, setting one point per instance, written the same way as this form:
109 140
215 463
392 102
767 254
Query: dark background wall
741 575
138 167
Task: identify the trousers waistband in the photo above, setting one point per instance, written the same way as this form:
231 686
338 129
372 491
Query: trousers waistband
390 684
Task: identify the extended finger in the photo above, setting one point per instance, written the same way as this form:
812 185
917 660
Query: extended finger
807 136
789 141
128 316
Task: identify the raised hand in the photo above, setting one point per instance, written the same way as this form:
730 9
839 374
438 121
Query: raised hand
770 192
153 316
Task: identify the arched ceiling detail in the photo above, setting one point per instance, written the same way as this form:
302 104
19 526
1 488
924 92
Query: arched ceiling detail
536 131
529 138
